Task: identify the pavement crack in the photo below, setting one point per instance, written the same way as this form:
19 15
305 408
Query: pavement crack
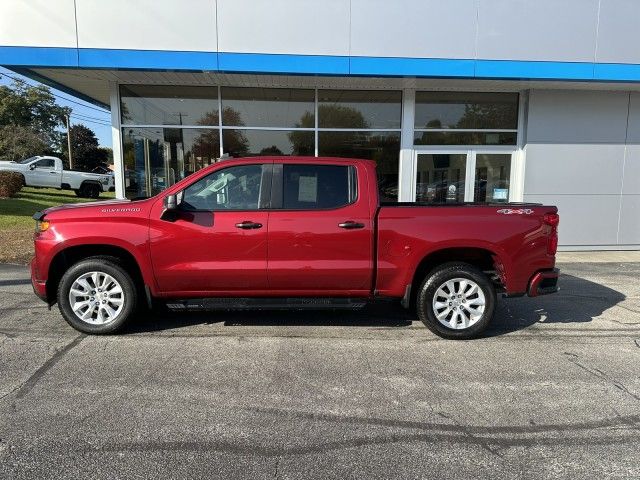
25 387
572 357
475 439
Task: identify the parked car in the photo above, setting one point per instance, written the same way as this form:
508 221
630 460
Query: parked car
288 232
45 171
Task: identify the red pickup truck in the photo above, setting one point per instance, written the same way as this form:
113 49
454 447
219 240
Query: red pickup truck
289 232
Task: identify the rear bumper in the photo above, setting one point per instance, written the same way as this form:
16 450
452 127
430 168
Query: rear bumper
39 286
544 282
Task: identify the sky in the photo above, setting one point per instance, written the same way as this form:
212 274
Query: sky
87 114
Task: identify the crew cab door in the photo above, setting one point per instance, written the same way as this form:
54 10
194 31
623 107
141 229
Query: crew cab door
44 173
320 230
215 243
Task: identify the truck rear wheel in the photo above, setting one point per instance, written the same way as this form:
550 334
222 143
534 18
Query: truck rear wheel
456 301
89 190
97 296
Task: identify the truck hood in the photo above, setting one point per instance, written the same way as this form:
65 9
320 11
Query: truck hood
11 165
98 209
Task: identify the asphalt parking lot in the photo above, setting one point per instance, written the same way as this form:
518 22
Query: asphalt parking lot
553 390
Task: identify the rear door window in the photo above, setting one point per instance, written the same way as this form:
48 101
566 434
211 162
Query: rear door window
317 187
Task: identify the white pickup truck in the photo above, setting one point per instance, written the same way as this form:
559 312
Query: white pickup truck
44 171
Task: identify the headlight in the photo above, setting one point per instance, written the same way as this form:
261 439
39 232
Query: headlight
41 226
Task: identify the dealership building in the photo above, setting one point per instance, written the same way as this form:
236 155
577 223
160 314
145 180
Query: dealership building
458 100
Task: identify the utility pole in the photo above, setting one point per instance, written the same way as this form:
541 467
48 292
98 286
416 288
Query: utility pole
69 141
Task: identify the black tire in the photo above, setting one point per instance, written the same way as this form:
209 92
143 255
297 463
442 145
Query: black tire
89 190
105 265
437 278
78 192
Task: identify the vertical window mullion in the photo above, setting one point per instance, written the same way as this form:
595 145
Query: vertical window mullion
220 120
315 126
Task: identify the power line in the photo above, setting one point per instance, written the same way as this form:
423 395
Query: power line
89 117
99 109
91 121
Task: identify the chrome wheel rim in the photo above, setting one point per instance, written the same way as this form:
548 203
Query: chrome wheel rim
96 298
459 303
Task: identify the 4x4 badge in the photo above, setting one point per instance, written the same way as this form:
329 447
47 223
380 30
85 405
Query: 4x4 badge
517 211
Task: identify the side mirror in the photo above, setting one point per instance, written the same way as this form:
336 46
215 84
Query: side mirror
32 166
170 203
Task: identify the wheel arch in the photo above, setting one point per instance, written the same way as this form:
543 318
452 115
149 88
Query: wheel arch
480 257
71 255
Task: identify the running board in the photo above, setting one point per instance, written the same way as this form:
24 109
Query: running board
294 303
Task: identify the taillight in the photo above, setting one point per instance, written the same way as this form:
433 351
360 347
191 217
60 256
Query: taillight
552 219
552 244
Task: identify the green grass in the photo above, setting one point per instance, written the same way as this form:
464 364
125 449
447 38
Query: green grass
16 224
16 212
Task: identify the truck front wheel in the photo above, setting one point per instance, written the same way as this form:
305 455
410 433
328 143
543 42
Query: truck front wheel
97 296
456 301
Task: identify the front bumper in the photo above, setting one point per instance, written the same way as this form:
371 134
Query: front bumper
544 282
39 286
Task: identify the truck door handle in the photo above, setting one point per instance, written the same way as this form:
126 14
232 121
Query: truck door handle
349 225
53 172
248 225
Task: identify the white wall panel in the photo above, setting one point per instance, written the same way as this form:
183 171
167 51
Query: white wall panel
37 23
307 27
618 32
630 220
632 172
147 24
538 30
584 219
564 116
414 28
573 169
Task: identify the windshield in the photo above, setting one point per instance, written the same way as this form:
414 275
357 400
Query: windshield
28 160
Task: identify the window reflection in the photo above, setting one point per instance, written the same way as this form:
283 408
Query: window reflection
168 105
383 147
440 178
359 109
268 107
455 110
156 158
248 142
492 178
465 138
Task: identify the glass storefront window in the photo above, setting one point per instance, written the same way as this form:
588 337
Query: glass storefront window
156 158
440 177
383 147
249 142
464 138
359 109
168 105
268 107
474 111
493 171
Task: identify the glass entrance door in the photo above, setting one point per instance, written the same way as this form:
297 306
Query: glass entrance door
454 176
441 177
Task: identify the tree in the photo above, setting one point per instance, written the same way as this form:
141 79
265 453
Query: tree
18 142
235 142
33 107
86 152
339 144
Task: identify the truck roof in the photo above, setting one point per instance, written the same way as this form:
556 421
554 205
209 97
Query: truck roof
295 158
